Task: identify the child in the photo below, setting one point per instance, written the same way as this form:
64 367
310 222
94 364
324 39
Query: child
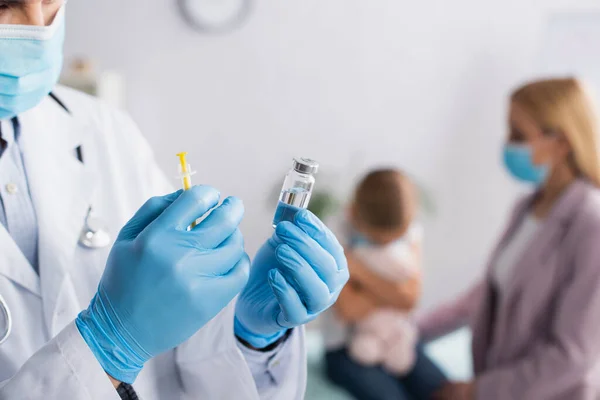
381 234
387 336
369 335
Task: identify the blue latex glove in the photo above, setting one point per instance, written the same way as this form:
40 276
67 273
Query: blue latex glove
297 274
162 283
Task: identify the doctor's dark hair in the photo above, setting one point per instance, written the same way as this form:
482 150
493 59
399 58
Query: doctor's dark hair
385 199
564 105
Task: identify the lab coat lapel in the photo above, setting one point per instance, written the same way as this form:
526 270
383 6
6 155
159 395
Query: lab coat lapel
14 265
61 188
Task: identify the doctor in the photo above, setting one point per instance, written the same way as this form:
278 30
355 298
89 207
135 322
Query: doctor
153 315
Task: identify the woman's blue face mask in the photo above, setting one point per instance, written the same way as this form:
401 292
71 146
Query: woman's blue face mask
30 63
519 162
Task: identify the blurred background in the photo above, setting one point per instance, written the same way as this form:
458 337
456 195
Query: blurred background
244 86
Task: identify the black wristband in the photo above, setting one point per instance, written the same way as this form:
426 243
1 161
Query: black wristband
269 347
126 392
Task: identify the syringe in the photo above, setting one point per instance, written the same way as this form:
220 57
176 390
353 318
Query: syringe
185 174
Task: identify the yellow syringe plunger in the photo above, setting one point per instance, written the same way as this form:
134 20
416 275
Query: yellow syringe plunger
185 171
185 174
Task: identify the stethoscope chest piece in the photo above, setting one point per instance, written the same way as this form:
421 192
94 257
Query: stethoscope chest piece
5 320
94 234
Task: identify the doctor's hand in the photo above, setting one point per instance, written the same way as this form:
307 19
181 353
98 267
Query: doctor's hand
162 283
297 274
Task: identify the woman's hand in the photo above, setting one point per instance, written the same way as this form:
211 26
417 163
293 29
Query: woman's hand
456 391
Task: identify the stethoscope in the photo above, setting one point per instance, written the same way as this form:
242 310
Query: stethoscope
7 319
93 236
93 233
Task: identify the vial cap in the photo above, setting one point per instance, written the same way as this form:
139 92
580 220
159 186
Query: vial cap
306 165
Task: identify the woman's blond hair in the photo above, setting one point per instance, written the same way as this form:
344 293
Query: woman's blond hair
564 105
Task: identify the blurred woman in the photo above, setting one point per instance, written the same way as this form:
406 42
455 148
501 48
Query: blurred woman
536 333
451 315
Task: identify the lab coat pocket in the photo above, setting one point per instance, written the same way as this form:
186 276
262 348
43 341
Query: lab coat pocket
88 268
78 286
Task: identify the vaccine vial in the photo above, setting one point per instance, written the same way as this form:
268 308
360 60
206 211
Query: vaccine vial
297 189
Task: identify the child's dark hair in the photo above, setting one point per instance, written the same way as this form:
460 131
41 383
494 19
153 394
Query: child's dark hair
385 199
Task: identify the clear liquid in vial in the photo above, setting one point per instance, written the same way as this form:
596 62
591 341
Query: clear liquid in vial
290 202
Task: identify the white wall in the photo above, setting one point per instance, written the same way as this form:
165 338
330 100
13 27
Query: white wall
420 84
571 46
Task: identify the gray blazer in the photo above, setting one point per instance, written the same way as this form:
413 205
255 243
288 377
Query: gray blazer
541 339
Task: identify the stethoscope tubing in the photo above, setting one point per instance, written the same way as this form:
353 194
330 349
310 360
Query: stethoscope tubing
8 318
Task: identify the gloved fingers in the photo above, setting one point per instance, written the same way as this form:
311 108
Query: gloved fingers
220 224
189 206
218 262
313 292
151 209
316 229
220 290
293 311
316 256
231 282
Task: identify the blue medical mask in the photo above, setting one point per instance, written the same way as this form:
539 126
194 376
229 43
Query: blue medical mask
30 63
518 161
357 239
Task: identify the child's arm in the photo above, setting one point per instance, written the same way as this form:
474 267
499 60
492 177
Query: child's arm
353 304
450 316
400 295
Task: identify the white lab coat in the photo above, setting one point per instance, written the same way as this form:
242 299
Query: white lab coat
45 356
